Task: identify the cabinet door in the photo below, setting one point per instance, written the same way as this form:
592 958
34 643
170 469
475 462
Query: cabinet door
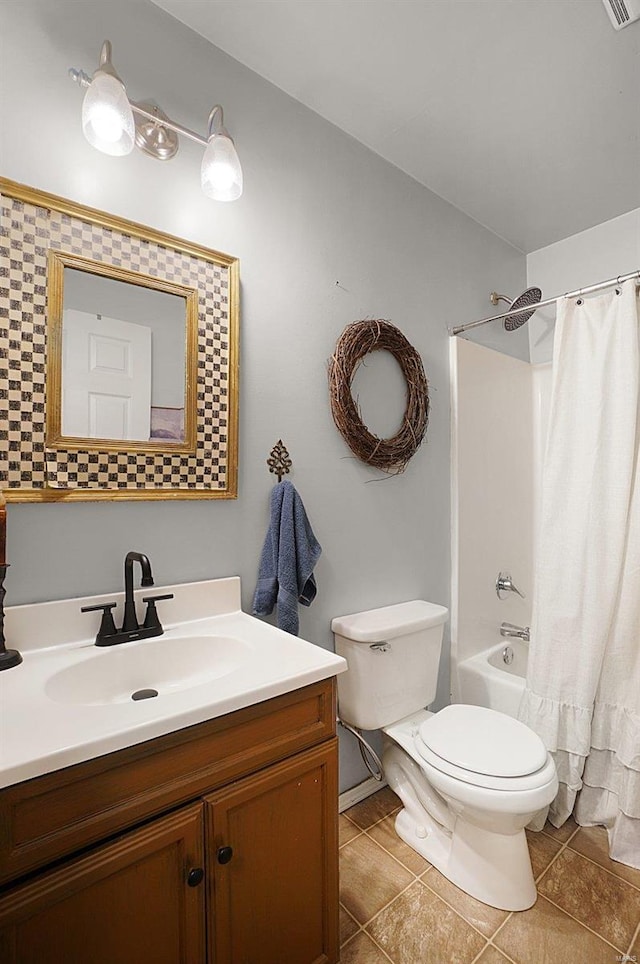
127 902
272 858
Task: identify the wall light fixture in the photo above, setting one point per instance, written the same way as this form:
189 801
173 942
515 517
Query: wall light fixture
114 125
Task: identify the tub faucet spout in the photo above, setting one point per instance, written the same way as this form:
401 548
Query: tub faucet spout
517 632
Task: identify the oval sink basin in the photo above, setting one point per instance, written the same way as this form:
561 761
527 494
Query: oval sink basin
165 665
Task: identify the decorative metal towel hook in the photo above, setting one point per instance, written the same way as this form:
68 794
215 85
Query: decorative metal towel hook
279 463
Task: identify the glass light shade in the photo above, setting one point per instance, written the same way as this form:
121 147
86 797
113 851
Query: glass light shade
221 171
107 118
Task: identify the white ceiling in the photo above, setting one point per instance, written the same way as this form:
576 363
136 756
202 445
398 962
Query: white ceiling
525 114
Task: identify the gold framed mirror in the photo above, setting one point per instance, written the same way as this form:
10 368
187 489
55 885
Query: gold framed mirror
88 299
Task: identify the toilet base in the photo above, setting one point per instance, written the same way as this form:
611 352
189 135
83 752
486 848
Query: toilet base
492 867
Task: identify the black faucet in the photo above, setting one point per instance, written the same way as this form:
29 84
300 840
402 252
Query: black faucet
108 635
130 623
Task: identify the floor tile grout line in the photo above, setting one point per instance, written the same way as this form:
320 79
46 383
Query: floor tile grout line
566 845
397 859
410 884
581 923
500 951
346 816
461 916
606 869
545 869
348 912
563 846
389 902
507 918
349 939
566 912
375 822
571 835
357 931
361 930
354 825
479 954
508 957
355 836
380 948
636 934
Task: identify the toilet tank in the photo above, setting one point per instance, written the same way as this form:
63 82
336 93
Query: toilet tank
393 655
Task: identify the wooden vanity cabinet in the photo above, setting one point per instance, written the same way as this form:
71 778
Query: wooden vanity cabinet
206 868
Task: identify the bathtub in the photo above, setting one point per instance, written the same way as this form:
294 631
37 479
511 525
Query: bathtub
488 680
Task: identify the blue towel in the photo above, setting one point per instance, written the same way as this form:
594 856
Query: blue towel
289 556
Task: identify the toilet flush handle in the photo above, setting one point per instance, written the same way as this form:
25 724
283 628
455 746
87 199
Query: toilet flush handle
380 647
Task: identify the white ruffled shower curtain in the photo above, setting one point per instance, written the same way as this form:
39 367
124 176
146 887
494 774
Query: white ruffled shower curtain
583 683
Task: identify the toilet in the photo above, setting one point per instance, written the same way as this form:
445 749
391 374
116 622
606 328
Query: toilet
470 778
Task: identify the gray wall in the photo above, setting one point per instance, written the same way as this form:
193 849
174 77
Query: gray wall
327 233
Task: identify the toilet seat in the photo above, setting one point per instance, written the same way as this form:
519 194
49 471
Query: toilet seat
484 748
406 733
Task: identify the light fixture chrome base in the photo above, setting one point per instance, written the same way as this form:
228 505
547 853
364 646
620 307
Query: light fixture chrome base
158 136
152 137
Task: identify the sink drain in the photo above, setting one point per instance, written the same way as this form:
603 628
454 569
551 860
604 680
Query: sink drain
144 694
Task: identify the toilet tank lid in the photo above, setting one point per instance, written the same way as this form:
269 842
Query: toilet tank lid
388 622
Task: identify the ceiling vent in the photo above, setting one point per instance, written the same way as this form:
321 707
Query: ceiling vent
622 12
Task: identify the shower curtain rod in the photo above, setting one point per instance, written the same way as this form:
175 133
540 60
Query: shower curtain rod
549 301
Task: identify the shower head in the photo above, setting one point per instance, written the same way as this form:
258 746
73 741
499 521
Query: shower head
529 297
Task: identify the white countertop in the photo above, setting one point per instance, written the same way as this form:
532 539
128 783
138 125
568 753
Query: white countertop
42 730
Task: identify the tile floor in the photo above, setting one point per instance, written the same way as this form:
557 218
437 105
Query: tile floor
397 907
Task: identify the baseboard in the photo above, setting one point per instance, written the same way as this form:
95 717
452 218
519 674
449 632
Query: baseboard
360 792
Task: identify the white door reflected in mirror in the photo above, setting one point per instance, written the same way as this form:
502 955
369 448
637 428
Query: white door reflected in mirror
106 377
123 360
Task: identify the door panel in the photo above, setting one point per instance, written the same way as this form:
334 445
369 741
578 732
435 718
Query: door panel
127 902
276 898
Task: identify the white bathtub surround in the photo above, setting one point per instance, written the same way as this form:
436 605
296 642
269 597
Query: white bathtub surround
583 683
492 496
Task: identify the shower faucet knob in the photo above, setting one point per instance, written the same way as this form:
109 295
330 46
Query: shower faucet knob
505 585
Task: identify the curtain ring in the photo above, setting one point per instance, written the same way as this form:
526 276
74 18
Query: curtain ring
579 301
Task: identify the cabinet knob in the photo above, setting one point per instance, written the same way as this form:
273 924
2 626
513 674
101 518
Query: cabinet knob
195 876
224 854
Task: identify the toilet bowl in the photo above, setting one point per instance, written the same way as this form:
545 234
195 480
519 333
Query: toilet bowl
469 823
470 778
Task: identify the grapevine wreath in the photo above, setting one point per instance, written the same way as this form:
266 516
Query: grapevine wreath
357 340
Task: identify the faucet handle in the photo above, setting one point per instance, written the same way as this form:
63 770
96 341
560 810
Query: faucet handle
504 584
151 619
107 625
